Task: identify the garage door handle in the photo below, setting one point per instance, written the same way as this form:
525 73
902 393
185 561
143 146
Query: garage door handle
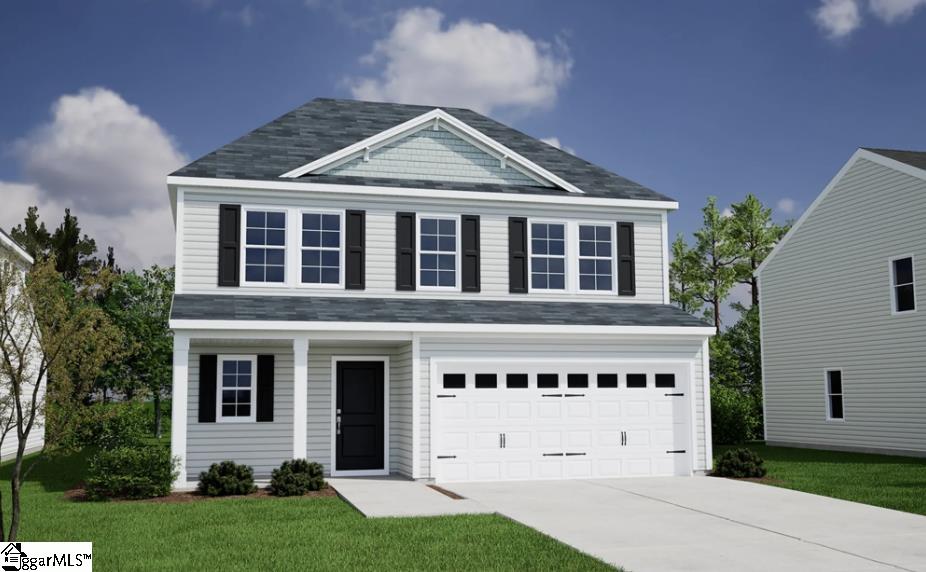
446 395
623 438
575 454
575 395
552 454
552 395
679 451
675 395
446 456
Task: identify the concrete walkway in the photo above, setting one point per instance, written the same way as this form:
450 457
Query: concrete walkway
391 496
710 524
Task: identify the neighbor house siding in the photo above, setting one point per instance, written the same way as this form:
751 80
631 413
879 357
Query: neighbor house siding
591 347
199 242
826 304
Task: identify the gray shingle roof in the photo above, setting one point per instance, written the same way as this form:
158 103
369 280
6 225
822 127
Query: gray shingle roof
323 126
913 158
407 310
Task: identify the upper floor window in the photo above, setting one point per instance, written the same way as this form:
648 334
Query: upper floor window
265 246
321 248
237 393
438 246
903 295
548 256
596 257
834 395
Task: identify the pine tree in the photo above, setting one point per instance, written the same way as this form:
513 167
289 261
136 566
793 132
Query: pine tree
752 229
717 255
683 274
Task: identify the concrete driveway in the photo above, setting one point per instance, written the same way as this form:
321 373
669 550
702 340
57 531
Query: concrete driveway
710 524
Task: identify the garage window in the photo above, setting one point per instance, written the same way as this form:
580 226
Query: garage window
577 380
607 380
516 380
486 381
665 380
834 410
454 381
547 380
636 380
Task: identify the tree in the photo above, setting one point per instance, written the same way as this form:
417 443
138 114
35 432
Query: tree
683 275
75 253
717 254
140 306
33 235
755 235
47 332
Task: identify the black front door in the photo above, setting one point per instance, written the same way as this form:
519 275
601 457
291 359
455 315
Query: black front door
359 416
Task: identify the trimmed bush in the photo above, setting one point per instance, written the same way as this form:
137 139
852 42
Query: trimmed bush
226 478
741 463
131 473
296 477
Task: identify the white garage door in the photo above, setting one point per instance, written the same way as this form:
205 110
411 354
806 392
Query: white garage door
529 420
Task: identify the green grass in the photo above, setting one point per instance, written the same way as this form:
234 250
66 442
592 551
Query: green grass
276 534
890 482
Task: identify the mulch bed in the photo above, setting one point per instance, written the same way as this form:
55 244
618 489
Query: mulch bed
79 494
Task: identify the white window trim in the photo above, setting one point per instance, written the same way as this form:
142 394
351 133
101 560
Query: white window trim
568 248
458 280
579 257
297 256
287 271
894 285
219 418
827 394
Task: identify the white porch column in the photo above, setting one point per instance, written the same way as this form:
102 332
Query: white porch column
300 395
178 415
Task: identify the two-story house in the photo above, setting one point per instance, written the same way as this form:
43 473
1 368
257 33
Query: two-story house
843 326
403 289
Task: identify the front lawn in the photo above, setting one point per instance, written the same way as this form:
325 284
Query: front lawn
275 533
891 482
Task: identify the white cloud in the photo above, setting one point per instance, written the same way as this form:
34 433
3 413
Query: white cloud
244 16
838 18
787 206
468 64
727 212
106 161
555 142
890 11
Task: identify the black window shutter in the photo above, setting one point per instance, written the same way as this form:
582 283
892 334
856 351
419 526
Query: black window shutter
517 255
404 251
207 367
229 244
265 388
355 244
470 255
626 271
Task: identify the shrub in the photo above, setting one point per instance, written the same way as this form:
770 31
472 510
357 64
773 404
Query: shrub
296 477
733 416
226 478
739 463
109 426
131 473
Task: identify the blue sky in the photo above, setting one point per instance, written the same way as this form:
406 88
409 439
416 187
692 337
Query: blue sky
689 98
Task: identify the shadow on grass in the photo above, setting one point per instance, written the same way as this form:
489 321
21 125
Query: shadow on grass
811 456
57 473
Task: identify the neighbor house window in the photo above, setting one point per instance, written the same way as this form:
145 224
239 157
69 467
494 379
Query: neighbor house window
548 256
834 394
265 247
237 393
437 252
321 248
596 258
903 295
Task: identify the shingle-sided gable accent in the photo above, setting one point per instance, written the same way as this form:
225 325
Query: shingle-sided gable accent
430 155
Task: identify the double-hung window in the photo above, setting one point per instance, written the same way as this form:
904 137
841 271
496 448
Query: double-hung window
237 389
548 256
265 247
438 247
834 410
321 248
903 295
596 257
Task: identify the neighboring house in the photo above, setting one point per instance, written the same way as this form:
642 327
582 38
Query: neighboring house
14 254
389 288
842 313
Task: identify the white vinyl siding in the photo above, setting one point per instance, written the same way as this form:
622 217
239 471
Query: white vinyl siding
199 243
826 304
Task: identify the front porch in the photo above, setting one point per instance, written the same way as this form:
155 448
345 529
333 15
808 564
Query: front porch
282 401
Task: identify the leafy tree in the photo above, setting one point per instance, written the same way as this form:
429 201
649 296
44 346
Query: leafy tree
717 254
48 331
140 306
683 275
754 233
